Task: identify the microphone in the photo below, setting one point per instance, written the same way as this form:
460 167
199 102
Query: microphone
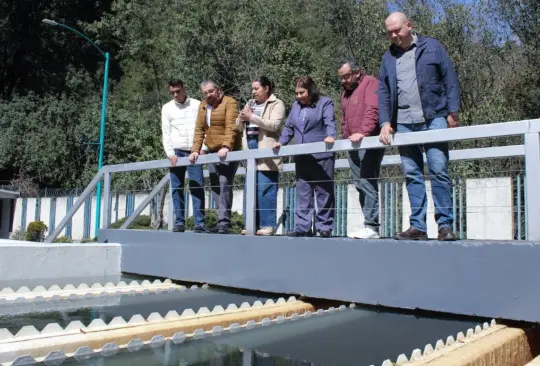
251 105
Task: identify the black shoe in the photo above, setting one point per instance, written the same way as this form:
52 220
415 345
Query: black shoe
446 234
224 230
178 229
295 234
325 233
201 230
411 234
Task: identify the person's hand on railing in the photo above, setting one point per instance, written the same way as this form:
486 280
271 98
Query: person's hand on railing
329 140
384 136
222 153
356 137
276 146
173 159
193 157
453 120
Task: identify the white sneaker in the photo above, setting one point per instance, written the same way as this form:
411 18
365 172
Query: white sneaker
365 233
266 231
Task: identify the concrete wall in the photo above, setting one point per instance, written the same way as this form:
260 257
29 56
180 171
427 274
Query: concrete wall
489 214
20 260
464 277
490 208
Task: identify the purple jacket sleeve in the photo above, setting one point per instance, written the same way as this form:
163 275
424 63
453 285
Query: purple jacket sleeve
329 118
288 130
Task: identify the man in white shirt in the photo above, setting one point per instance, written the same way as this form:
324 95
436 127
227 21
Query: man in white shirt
178 119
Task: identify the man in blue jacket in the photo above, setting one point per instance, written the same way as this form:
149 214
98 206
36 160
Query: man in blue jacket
419 91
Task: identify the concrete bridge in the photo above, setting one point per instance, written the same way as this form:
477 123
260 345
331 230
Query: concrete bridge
489 279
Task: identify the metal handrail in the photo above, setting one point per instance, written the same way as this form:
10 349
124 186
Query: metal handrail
401 139
528 128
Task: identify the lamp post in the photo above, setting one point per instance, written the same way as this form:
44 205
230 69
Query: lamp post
103 111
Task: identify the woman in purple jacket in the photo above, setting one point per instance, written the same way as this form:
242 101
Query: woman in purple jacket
312 120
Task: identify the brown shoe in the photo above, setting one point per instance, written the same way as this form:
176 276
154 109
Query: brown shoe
446 234
411 234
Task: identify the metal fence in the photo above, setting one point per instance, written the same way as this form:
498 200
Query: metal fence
122 204
530 129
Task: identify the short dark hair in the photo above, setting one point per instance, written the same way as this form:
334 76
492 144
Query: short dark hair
307 83
348 61
176 82
265 82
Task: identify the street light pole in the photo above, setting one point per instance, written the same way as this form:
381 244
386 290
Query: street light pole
103 112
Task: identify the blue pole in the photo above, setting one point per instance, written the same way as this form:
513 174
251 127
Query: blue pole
101 141
103 110
386 228
460 208
344 208
454 205
391 226
337 213
399 216
518 182
526 207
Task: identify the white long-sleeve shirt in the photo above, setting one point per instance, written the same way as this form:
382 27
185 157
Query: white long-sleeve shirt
178 124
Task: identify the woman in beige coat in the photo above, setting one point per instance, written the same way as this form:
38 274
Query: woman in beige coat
261 122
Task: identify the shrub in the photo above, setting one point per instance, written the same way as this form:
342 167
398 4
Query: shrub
63 239
88 240
36 231
211 219
17 235
140 222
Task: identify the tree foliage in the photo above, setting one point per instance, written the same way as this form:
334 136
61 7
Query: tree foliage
50 80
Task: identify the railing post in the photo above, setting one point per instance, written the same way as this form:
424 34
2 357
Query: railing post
251 192
170 218
106 201
146 201
72 210
247 359
532 179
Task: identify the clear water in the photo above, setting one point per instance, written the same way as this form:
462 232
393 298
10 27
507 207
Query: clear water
350 338
15 316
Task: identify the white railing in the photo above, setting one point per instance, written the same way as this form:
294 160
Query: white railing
530 129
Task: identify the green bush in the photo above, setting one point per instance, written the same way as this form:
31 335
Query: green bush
211 219
140 222
36 231
88 240
63 239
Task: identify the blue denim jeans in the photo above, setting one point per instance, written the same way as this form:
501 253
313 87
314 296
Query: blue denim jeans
412 163
267 188
366 168
196 188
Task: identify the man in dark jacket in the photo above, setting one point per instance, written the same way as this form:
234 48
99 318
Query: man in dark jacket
419 91
361 119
